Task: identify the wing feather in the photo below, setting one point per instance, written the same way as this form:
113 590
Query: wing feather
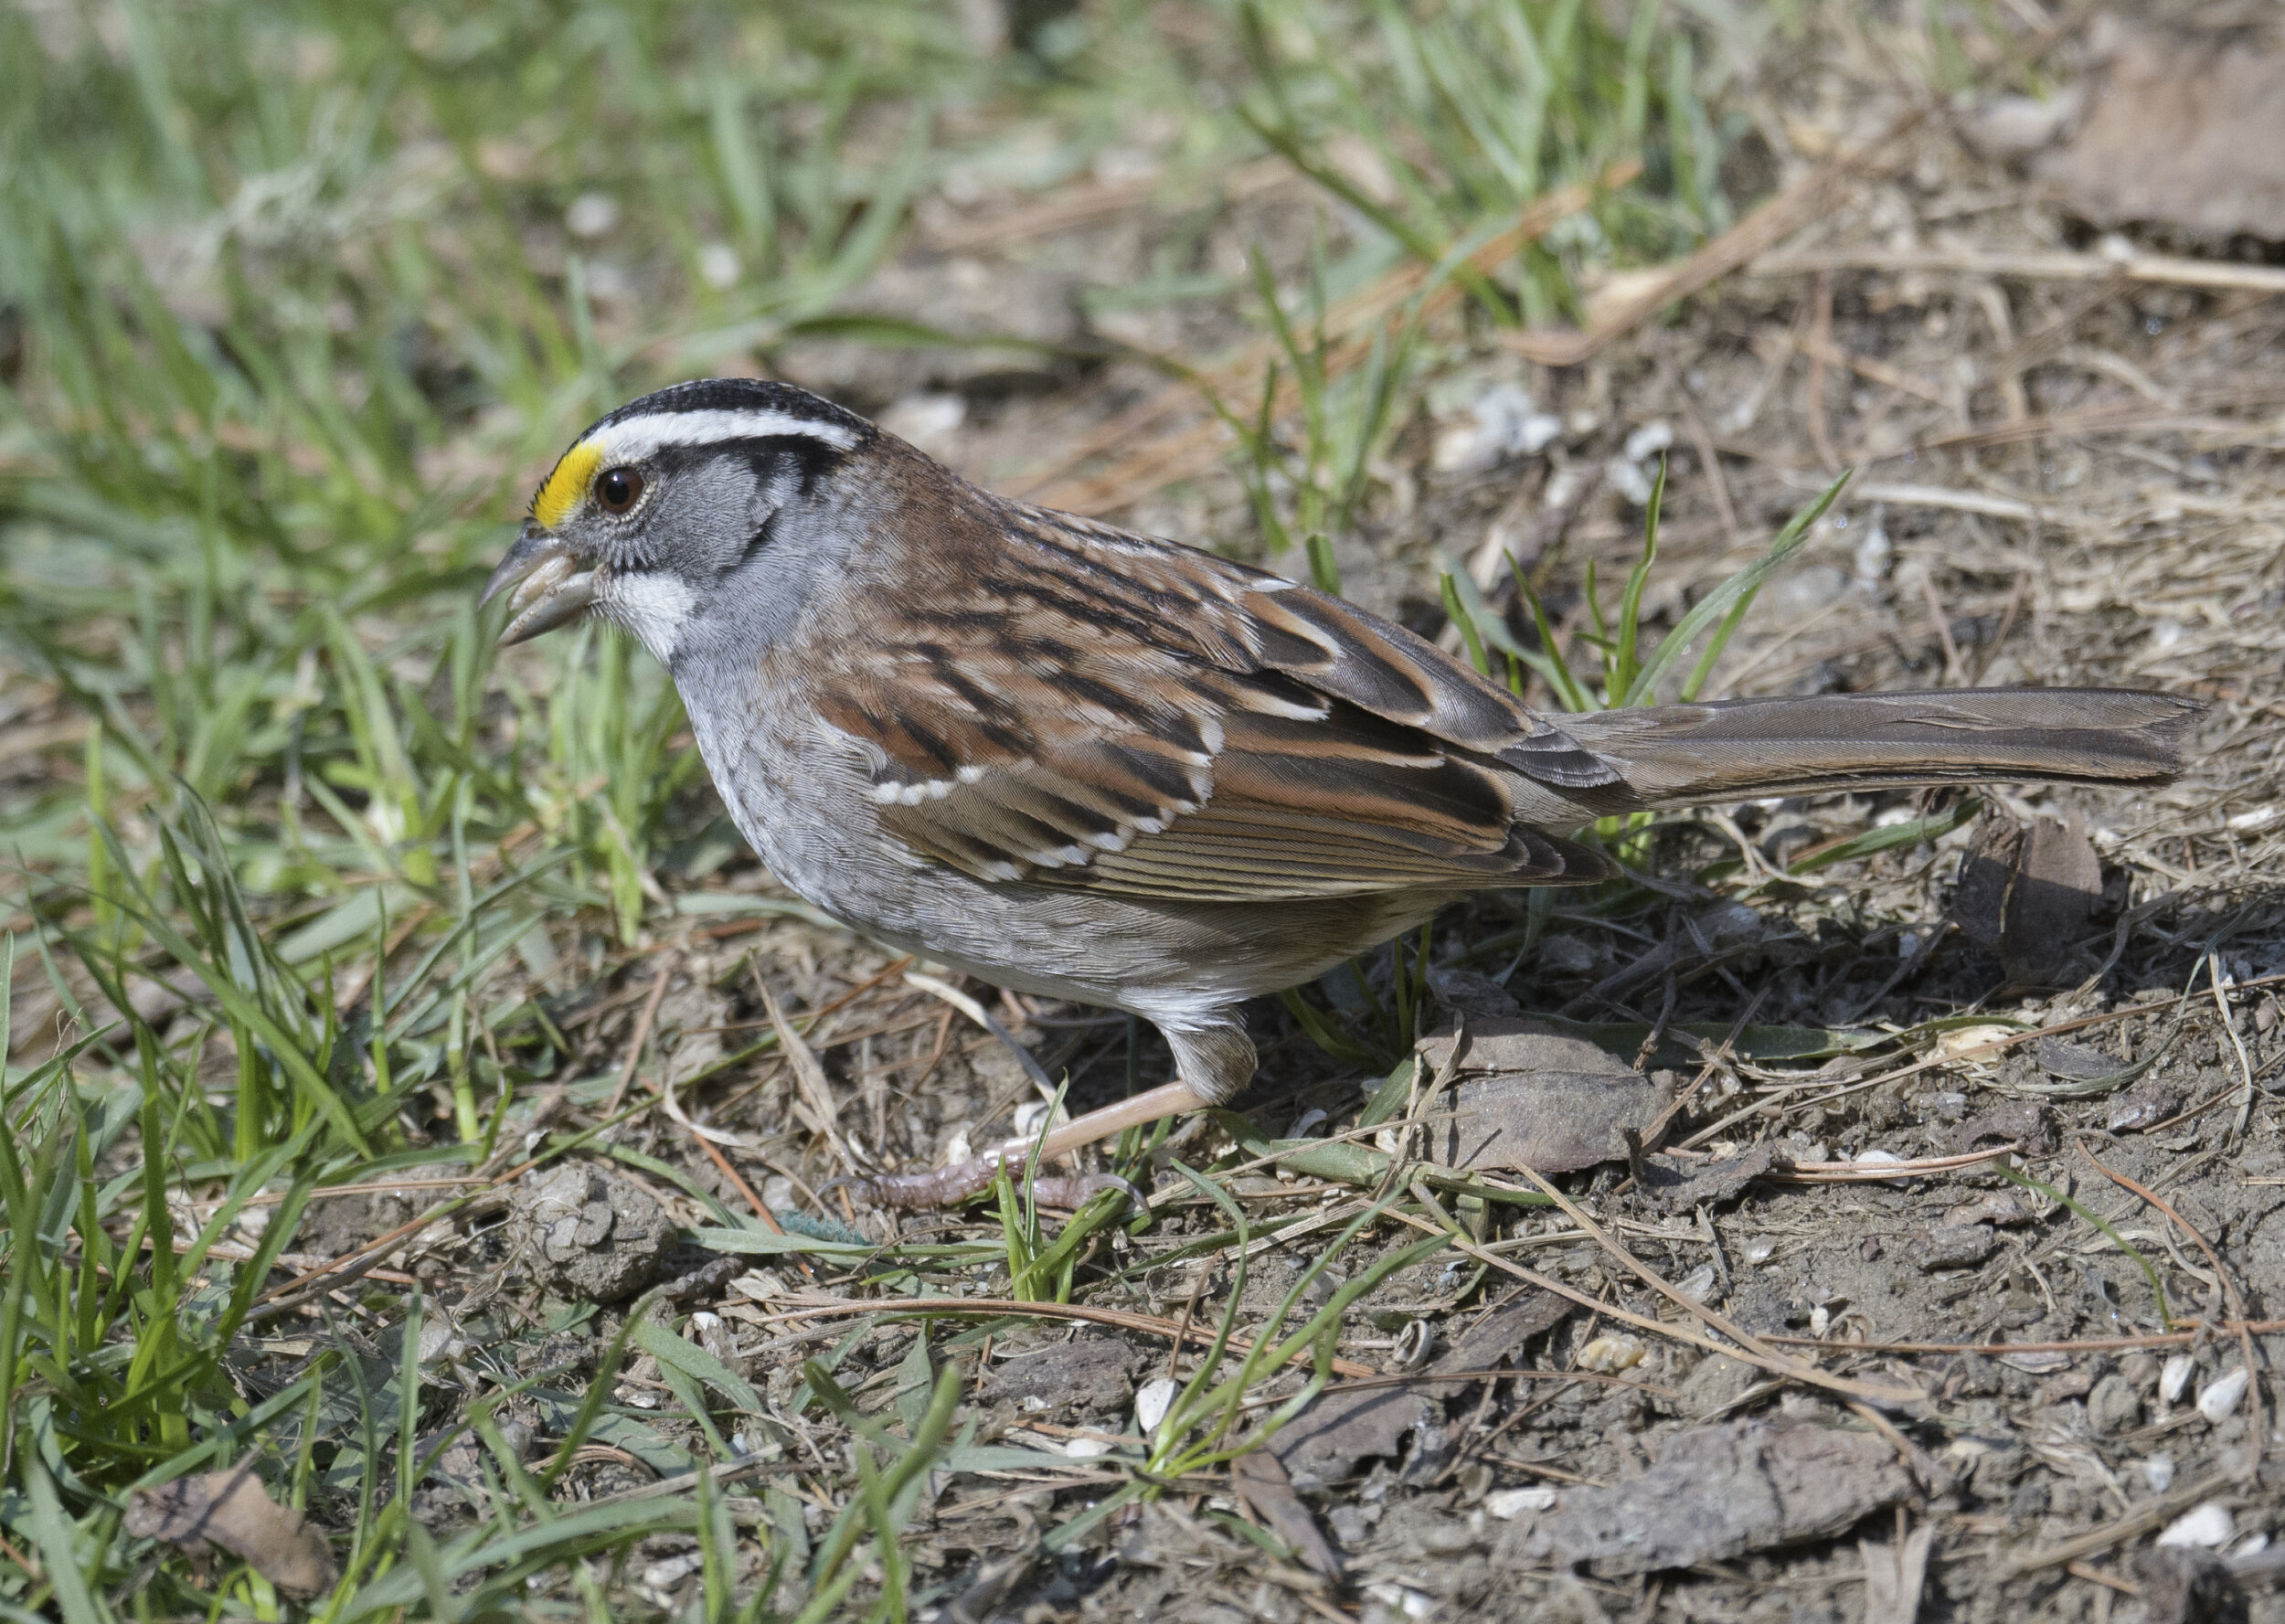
1083 707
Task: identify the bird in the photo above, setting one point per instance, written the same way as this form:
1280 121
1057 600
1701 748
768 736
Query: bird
1081 763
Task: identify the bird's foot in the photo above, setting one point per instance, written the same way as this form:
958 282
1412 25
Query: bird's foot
948 1187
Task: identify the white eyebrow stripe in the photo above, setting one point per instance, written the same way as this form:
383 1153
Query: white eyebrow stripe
636 438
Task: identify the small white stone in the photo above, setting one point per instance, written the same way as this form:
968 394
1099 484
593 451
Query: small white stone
2176 1378
1607 1354
2204 1526
1699 1284
1152 1403
1507 1505
591 213
672 1571
1649 439
929 419
1758 1250
717 265
1086 1448
2219 1396
2158 1473
1629 479
2248 1546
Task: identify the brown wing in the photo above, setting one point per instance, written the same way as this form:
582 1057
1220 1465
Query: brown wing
1076 705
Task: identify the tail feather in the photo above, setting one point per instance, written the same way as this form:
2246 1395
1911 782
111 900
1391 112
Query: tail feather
1681 754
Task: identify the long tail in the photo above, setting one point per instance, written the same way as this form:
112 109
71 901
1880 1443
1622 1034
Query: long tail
1681 754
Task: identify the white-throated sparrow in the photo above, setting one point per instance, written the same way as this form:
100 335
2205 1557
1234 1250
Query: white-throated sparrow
1102 766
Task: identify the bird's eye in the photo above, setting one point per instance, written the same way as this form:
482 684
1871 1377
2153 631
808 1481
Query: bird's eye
617 490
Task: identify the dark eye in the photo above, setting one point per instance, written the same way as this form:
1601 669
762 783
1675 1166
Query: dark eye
617 490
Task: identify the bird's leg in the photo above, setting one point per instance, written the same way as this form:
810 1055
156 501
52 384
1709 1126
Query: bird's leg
947 1186
1215 1053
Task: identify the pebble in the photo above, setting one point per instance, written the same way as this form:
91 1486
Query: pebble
1152 1403
1507 1505
672 1571
2114 1406
2176 1378
2202 1526
2219 1396
1606 1354
1954 1246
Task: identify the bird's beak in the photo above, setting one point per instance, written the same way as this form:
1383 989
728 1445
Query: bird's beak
546 585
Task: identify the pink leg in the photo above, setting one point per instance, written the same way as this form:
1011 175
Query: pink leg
945 1186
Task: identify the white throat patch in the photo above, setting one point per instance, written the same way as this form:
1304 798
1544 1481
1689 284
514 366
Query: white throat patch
654 605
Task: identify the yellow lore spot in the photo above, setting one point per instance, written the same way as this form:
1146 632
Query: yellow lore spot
566 484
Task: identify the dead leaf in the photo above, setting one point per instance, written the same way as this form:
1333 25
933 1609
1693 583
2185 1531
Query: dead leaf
1260 1481
2181 130
1090 1372
1526 1096
1678 1186
1328 1442
2152 1100
2027 1123
814 1103
234 1510
1492 1339
2074 1062
2027 893
1716 1492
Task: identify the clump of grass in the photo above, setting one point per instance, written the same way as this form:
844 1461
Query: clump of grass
1472 112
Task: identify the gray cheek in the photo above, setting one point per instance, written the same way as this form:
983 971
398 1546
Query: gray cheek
705 519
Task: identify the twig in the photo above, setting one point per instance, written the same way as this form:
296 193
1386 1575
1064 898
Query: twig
984 1018
1161 458
1786 1368
1819 346
809 1078
2229 1030
768 1219
2155 1515
1741 245
1702 442
2100 1344
2164 268
1009 1307
2095 1576
642 1023
2235 1298
1989 651
1710 1318
1955 669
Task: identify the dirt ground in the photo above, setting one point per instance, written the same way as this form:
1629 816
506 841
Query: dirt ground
2064 476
